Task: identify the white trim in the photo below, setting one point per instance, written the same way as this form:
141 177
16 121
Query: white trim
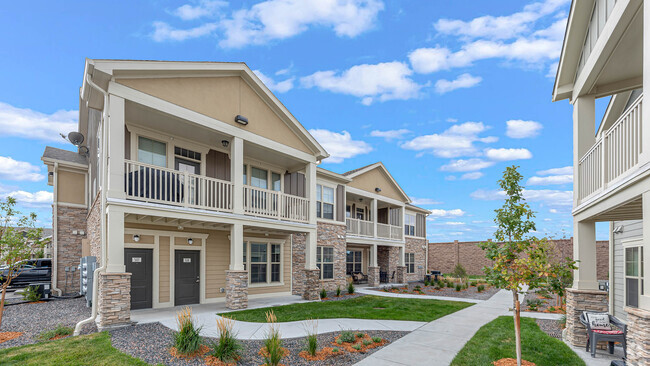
635 242
383 167
319 199
268 241
65 162
72 205
361 192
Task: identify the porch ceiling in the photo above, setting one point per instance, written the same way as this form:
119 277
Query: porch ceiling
631 210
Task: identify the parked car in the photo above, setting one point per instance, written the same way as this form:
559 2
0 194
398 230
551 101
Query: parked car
30 271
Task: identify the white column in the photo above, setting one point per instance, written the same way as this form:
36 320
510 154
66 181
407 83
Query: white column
310 190
237 174
584 250
645 113
373 255
237 247
373 212
584 126
114 240
310 250
115 126
402 261
644 300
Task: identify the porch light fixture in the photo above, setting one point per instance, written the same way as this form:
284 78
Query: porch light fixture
136 238
241 120
225 143
190 241
377 189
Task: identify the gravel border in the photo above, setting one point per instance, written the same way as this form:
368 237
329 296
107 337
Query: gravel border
331 296
151 343
469 293
550 327
35 318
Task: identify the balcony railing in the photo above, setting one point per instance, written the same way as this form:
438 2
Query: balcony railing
389 231
360 227
275 204
615 153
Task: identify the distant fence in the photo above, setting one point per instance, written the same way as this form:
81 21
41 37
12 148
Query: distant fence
444 256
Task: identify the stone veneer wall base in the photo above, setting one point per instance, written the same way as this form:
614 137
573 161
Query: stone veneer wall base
578 301
236 289
400 276
638 337
114 300
373 276
312 284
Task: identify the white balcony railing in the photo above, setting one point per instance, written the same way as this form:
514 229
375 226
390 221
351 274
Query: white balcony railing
615 153
360 227
275 204
389 231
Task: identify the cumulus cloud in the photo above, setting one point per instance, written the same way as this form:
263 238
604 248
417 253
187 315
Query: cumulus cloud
556 171
371 82
550 197
279 87
555 176
440 213
466 165
463 81
424 201
11 169
518 129
340 146
471 176
40 199
201 9
458 140
390 134
507 154
27 123
164 32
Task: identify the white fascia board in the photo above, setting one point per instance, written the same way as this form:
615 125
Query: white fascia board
332 176
383 167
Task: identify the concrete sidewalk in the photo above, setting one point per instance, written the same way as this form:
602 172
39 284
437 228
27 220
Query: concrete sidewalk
443 338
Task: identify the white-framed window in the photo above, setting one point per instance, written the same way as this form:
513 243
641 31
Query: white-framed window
152 152
263 262
353 260
409 225
409 260
187 160
325 262
245 174
276 181
360 214
348 211
633 275
259 178
324 202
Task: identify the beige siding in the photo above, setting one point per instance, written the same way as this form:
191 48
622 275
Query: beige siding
376 178
71 187
144 239
217 261
632 229
163 294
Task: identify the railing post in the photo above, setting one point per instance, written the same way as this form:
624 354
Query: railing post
603 166
186 189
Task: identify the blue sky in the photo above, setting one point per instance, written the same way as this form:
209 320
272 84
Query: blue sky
445 93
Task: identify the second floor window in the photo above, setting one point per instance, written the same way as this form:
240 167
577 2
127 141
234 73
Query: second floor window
409 259
152 152
259 178
325 262
409 225
325 202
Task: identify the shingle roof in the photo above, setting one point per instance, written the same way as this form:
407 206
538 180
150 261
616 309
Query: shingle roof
357 169
64 155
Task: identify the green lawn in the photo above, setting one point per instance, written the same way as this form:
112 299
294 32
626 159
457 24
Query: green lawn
496 340
93 349
364 307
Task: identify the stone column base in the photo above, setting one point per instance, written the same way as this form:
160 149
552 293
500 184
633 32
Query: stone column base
113 300
578 301
400 275
312 284
236 289
373 276
638 336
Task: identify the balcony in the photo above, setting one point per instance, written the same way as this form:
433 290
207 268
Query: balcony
363 228
614 156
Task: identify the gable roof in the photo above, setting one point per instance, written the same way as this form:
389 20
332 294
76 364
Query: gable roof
378 165
56 154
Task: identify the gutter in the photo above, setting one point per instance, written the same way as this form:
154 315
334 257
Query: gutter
610 274
55 227
102 268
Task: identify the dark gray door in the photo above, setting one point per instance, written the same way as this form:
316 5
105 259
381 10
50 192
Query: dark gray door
186 277
139 262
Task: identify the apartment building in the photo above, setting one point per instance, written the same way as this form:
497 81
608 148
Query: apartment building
605 55
194 185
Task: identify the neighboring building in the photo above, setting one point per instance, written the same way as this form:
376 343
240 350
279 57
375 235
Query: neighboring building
603 55
196 185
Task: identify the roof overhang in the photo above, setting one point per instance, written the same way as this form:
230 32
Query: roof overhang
381 166
333 176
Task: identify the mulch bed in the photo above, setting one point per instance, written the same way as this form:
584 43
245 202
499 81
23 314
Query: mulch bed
511 362
7 336
151 343
331 296
548 304
469 293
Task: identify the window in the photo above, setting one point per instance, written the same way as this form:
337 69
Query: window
348 211
325 262
245 254
360 213
187 160
352 261
259 178
245 174
258 262
633 275
263 261
409 259
276 182
324 202
409 224
152 152
275 262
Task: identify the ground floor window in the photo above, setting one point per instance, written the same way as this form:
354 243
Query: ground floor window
410 262
325 262
263 261
352 261
633 275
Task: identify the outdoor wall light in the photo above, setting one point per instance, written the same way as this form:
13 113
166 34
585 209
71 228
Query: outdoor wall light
241 120
136 238
190 241
377 189
225 143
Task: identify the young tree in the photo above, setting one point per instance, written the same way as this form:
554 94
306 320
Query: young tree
19 240
518 259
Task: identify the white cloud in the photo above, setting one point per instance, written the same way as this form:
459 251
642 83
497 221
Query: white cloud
28 199
164 32
518 129
552 210
371 82
201 9
280 19
458 140
468 165
550 197
452 120
463 81
471 176
11 169
390 134
440 213
340 146
454 223
280 86
550 180
424 201
556 171
507 154
27 123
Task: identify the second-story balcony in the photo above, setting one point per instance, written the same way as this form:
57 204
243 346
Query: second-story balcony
370 218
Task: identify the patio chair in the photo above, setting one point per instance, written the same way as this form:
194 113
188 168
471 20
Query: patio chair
359 277
597 335
383 277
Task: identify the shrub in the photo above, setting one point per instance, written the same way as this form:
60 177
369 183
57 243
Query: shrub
227 348
312 336
323 294
338 291
437 287
376 339
30 294
60 330
357 347
427 283
350 288
562 321
187 340
339 341
359 335
459 271
450 284
366 342
273 342
347 337
417 288
458 287
480 288
534 304
473 284
335 349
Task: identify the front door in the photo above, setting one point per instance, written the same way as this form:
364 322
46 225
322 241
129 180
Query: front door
186 278
139 262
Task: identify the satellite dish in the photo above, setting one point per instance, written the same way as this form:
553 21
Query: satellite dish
76 138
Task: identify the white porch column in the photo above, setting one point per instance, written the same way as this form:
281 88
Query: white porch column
402 261
114 240
115 133
310 250
373 212
310 190
584 250
237 174
237 247
644 300
584 127
373 256
645 113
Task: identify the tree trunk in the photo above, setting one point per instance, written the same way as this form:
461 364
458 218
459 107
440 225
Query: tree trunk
2 301
515 298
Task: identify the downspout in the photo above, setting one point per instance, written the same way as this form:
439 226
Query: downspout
55 226
93 316
610 275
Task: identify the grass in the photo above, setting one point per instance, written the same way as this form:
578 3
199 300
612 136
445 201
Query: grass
60 330
365 307
496 340
93 349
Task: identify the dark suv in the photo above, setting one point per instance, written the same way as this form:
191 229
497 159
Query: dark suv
30 271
